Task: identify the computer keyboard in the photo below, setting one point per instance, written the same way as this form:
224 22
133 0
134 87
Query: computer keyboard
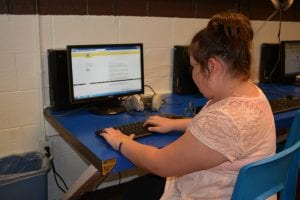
284 104
137 128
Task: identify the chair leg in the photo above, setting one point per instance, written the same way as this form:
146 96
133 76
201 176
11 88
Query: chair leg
298 188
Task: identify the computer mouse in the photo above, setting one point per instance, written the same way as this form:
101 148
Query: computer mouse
293 97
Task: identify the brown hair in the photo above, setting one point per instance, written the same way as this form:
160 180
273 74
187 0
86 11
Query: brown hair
228 35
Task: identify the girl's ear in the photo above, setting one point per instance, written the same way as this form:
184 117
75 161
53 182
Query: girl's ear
215 67
211 64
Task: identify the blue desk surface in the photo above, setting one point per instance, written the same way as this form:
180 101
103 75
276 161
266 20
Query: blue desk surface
80 125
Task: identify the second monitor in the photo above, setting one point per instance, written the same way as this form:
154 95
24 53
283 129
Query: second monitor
280 63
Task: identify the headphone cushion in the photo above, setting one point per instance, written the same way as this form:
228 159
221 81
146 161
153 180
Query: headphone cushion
134 103
137 103
156 102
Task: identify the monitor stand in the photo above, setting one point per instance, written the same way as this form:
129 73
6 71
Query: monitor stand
107 108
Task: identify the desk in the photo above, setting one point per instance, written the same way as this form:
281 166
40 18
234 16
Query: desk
282 120
78 129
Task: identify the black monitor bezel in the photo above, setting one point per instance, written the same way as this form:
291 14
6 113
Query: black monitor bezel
287 77
114 97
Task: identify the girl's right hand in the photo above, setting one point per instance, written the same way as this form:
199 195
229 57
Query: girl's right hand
160 124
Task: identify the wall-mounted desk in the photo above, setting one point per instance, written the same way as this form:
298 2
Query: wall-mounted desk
78 128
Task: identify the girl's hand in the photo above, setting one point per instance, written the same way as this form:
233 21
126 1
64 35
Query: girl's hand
115 137
160 124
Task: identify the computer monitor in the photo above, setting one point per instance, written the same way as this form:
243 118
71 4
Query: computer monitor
103 74
290 60
182 74
269 65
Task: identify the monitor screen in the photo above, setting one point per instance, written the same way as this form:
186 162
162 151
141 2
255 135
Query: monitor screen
104 73
290 59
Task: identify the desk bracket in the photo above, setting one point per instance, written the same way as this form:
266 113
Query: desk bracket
89 180
107 166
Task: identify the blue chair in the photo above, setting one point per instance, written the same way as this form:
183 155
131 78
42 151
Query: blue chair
266 177
294 132
293 137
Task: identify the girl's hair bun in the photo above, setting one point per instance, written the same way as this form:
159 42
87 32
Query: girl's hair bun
234 26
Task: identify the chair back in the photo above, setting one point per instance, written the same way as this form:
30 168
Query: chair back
293 137
264 178
294 132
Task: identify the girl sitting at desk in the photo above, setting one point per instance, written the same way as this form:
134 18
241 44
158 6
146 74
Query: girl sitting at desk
234 128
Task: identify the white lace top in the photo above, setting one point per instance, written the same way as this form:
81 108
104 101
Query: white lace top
240 128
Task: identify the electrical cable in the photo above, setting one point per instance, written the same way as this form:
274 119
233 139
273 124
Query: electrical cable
279 40
148 86
163 100
120 177
279 49
267 20
55 174
238 5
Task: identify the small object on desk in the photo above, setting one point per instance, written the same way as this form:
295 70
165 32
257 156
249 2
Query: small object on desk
137 128
285 104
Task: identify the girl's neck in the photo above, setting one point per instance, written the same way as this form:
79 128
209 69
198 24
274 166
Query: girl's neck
235 88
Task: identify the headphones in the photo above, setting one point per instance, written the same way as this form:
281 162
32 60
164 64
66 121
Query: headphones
141 102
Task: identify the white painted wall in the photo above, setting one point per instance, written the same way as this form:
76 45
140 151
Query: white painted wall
24 88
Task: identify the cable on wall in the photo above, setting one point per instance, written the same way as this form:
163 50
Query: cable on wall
279 49
238 5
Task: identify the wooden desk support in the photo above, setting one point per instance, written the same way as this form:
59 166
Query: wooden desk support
88 181
92 176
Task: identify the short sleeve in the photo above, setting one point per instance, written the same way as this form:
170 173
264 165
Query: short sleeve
217 131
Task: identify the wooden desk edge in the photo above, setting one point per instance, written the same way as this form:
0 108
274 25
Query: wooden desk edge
102 165
94 174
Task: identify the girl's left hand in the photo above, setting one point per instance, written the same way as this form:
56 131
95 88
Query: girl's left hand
115 137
